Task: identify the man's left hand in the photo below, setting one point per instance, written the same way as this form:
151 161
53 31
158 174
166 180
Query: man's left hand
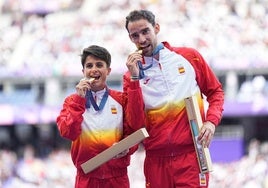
206 133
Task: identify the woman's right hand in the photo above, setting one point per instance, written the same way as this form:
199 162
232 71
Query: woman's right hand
83 86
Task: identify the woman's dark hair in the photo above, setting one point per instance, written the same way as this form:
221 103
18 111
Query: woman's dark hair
97 52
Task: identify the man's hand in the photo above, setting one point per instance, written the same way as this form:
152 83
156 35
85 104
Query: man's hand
206 133
132 63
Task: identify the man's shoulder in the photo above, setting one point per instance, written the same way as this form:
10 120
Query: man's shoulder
188 53
179 49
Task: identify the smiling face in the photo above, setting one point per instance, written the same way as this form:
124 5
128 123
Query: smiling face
98 69
144 35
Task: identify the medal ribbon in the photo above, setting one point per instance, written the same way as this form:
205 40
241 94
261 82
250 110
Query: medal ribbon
141 68
90 100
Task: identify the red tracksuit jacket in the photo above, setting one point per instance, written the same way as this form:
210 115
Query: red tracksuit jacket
179 73
92 131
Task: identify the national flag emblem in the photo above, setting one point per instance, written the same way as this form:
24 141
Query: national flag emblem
113 110
181 69
202 180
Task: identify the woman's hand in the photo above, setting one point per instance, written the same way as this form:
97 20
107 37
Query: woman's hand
83 86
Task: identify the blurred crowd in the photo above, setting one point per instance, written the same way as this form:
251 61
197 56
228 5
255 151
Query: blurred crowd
57 170
43 38
248 172
232 34
29 171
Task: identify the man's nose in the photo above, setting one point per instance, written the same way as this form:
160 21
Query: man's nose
142 38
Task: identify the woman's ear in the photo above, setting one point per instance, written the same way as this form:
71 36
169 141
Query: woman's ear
109 70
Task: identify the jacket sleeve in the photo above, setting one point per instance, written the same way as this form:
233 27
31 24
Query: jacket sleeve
70 117
122 98
208 84
135 106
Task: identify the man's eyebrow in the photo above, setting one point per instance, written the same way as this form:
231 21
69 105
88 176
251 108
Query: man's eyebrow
144 29
134 33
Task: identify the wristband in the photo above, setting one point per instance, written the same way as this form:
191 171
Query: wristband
134 77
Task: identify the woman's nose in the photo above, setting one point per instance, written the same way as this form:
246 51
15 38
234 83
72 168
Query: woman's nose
94 67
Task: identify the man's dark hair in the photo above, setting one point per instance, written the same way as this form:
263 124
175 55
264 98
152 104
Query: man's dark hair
138 15
97 52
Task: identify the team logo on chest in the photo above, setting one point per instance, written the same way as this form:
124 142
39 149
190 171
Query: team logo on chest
181 69
113 110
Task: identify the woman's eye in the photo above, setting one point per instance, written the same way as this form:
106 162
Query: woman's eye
99 65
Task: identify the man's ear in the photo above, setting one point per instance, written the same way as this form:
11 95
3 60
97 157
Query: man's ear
131 38
156 28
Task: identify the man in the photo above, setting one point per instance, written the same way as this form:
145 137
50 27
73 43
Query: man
94 118
164 76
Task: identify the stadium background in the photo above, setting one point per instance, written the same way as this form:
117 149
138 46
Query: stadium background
40 43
